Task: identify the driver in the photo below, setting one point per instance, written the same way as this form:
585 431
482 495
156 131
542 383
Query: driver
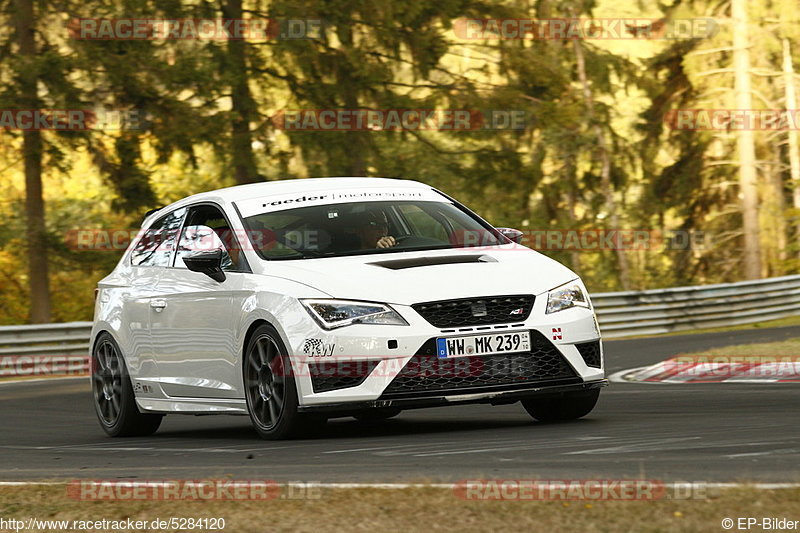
372 230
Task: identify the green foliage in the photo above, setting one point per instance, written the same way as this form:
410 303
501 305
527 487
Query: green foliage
204 114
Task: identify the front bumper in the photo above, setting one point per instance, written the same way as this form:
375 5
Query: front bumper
381 353
496 397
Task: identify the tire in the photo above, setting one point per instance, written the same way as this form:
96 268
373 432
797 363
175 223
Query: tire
568 407
377 415
270 388
112 393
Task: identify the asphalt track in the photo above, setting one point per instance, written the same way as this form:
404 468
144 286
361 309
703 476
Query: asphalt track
691 432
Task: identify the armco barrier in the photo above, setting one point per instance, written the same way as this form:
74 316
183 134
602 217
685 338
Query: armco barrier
63 348
622 314
44 349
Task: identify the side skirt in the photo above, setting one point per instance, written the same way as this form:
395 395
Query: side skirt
193 406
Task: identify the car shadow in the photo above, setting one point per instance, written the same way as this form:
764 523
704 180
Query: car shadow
349 428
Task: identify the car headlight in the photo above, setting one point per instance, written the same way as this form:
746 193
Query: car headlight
566 296
332 314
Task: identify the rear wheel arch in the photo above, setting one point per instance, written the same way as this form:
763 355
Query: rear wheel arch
98 334
110 332
112 392
97 338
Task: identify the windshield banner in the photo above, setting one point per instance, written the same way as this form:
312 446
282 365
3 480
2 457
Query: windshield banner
282 202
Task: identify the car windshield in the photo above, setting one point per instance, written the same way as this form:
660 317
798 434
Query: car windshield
365 228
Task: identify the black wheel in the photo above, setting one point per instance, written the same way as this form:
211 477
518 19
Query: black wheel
114 401
270 389
567 407
377 414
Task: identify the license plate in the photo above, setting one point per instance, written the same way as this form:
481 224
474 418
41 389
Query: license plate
488 344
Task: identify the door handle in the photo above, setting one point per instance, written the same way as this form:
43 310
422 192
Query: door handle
158 304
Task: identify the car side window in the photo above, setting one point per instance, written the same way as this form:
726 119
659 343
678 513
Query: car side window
209 216
158 241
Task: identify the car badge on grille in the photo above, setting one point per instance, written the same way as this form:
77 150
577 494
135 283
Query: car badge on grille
479 309
517 311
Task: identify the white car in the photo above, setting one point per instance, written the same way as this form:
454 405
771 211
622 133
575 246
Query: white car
301 300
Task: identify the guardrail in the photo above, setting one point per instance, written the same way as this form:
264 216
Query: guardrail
45 349
651 312
63 348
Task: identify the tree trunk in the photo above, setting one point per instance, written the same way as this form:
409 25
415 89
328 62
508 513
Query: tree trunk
748 180
794 151
38 280
605 165
244 109
570 201
357 148
774 206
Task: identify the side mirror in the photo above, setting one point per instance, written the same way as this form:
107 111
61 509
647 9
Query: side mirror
514 235
208 263
201 250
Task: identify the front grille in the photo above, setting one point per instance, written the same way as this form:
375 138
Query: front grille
426 373
476 311
335 375
590 351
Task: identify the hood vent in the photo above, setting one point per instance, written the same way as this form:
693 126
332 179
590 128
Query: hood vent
399 264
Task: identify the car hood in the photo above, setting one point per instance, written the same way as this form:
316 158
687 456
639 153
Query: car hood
410 277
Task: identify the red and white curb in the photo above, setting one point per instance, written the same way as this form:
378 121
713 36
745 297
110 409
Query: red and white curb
678 370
